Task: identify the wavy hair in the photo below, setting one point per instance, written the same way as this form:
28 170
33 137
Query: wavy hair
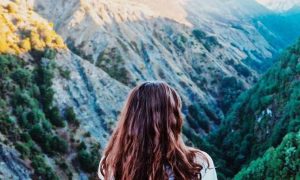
147 138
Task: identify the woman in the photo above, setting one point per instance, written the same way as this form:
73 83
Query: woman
147 143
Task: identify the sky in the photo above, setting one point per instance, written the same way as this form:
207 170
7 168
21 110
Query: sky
279 5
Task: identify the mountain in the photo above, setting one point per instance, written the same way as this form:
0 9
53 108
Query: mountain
196 46
43 86
280 5
261 116
66 68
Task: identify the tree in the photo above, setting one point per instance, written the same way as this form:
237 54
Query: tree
58 144
55 117
71 116
21 76
42 170
88 162
38 134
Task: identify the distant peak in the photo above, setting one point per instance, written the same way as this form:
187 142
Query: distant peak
279 5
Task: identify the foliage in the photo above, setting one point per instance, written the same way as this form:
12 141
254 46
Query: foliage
65 73
21 31
111 61
209 42
26 92
282 162
261 116
229 89
58 144
31 122
88 160
179 42
71 116
42 169
242 70
21 76
197 119
23 149
55 117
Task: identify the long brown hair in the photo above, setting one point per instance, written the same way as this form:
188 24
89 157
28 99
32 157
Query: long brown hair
148 137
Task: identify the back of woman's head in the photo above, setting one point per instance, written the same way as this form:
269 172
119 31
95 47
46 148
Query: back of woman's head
147 138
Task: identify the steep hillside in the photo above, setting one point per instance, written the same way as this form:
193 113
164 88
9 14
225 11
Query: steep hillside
42 88
23 30
282 162
60 95
196 46
284 26
261 116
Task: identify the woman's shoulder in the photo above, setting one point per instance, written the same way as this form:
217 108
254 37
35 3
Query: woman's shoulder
201 157
208 168
204 159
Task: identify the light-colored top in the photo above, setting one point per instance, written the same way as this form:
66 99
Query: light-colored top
208 172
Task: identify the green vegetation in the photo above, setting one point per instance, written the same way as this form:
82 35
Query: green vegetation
71 116
209 42
282 162
26 124
229 89
258 120
196 119
242 70
42 170
31 122
179 42
111 61
89 161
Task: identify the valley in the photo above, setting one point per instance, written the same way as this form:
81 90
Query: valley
67 67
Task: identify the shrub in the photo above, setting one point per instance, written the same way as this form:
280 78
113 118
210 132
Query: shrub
242 70
35 116
58 144
199 34
25 137
46 125
38 134
42 169
87 161
49 53
81 146
23 149
65 73
70 115
55 117
22 98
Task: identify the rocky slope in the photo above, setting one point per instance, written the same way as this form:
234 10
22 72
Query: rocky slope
94 95
196 46
209 51
186 43
43 86
11 166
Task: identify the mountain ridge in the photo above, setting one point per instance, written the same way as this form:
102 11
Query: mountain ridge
71 96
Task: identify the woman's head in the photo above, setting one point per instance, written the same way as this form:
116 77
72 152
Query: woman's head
147 137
